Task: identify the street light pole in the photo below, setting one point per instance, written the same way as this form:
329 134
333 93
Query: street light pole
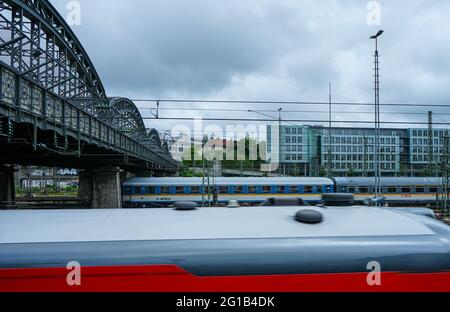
279 122
279 135
377 117
330 154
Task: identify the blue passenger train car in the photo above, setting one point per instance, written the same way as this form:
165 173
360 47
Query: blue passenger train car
148 192
395 190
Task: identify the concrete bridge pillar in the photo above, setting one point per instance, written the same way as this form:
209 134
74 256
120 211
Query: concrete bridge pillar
100 188
7 187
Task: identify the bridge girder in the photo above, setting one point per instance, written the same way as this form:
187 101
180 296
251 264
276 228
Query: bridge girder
41 46
37 44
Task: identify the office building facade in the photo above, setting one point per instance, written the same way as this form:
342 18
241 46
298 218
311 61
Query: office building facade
308 151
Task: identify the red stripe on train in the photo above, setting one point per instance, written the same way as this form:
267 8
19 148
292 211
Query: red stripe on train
169 278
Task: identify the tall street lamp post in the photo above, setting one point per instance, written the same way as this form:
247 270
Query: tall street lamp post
378 191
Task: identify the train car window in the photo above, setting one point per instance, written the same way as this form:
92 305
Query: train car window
281 189
195 189
127 190
238 189
223 189
420 189
251 189
137 190
319 189
165 190
433 189
293 189
392 189
352 189
363 190
179 190
406 189
151 190
267 189
308 189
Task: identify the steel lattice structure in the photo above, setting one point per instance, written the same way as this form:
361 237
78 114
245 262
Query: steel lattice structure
46 74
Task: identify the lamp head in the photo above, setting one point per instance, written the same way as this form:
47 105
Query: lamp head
377 35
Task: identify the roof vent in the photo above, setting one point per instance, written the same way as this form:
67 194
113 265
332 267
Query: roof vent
309 216
186 206
338 199
233 204
284 202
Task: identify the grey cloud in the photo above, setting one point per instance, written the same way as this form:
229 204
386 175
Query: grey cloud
194 46
268 50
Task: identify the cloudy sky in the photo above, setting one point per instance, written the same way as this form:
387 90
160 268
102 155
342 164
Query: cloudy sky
285 50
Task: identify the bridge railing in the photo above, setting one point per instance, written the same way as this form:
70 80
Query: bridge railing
24 101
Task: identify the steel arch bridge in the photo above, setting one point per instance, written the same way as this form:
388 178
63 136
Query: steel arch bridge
53 106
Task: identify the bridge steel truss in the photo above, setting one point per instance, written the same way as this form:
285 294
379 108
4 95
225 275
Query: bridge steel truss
48 81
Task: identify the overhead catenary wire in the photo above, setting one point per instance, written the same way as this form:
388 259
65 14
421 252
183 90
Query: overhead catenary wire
237 102
285 111
325 110
293 120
